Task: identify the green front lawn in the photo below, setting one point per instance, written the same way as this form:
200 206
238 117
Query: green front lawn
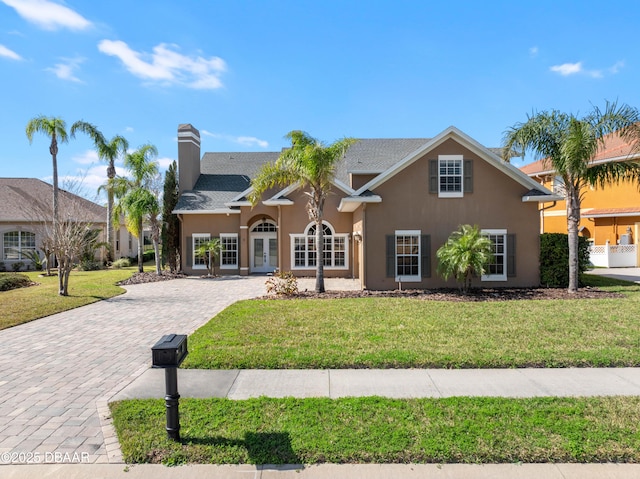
412 333
379 430
26 304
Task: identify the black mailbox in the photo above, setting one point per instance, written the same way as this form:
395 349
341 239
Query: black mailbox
170 351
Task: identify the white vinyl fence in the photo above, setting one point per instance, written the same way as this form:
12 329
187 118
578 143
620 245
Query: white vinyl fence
613 256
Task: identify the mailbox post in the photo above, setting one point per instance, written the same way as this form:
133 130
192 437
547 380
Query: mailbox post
168 353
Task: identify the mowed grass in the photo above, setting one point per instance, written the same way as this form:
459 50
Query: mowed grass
413 333
379 430
26 304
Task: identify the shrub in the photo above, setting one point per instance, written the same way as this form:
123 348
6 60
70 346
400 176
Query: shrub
17 266
282 284
554 259
2 266
121 263
89 265
13 281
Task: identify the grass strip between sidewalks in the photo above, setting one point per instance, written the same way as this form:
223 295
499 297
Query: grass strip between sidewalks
379 430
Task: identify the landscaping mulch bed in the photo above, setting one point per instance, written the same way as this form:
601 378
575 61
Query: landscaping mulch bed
496 294
141 278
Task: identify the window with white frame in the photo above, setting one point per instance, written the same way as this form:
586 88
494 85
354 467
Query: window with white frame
450 176
408 255
304 252
497 267
229 254
199 260
17 243
559 187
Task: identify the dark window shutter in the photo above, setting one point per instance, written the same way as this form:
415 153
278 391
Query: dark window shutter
468 176
433 176
189 251
511 255
391 256
425 253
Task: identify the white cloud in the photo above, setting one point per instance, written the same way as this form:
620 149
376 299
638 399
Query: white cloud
6 53
129 129
48 15
164 163
567 69
251 140
241 140
167 66
66 70
86 158
616 67
533 51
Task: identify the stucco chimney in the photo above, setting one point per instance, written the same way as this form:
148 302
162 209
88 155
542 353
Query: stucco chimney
188 156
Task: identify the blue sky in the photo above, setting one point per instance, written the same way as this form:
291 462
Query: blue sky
247 72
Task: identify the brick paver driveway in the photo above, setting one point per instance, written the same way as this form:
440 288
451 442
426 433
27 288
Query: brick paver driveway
59 371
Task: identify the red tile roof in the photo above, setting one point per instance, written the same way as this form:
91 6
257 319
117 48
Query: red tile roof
609 212
615 148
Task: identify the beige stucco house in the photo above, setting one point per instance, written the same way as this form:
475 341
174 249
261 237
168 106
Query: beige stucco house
25 212
394 203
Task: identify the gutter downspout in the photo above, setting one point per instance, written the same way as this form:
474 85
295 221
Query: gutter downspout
542 215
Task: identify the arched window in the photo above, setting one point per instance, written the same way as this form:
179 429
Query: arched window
304 252
17 243
265 227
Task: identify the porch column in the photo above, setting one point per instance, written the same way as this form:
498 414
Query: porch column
244 250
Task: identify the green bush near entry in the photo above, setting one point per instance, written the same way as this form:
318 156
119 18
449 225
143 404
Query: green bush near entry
554 259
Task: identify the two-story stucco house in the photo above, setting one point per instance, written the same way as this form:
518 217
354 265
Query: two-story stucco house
393 204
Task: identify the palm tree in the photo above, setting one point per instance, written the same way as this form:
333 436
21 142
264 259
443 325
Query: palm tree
211 252
136 201
107 151
55 128
465 254
568 144
309 164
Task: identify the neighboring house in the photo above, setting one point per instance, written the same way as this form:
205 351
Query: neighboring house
393 204
609 216
24 202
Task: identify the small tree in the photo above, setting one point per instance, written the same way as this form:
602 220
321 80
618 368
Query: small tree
465 254
211 252
170 224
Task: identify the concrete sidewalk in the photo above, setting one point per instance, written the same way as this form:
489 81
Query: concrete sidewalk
394 383
327 471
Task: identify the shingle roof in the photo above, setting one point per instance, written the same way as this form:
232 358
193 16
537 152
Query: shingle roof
18 197
226 174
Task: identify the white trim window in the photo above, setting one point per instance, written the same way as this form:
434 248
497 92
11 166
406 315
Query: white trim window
497 267
198 239
408 255
450 176
229 253
303 248
16 243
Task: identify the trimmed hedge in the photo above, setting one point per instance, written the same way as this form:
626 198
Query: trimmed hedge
554 259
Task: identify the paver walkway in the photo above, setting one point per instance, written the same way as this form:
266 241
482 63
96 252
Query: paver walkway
59 371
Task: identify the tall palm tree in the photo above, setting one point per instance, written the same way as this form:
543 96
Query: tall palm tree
55 128
136 201
465 254
568 144
107 151
309 164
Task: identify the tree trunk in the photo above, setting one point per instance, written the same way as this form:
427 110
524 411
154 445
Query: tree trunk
573 220
156 252
111 173
140 249
319 257
53 149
